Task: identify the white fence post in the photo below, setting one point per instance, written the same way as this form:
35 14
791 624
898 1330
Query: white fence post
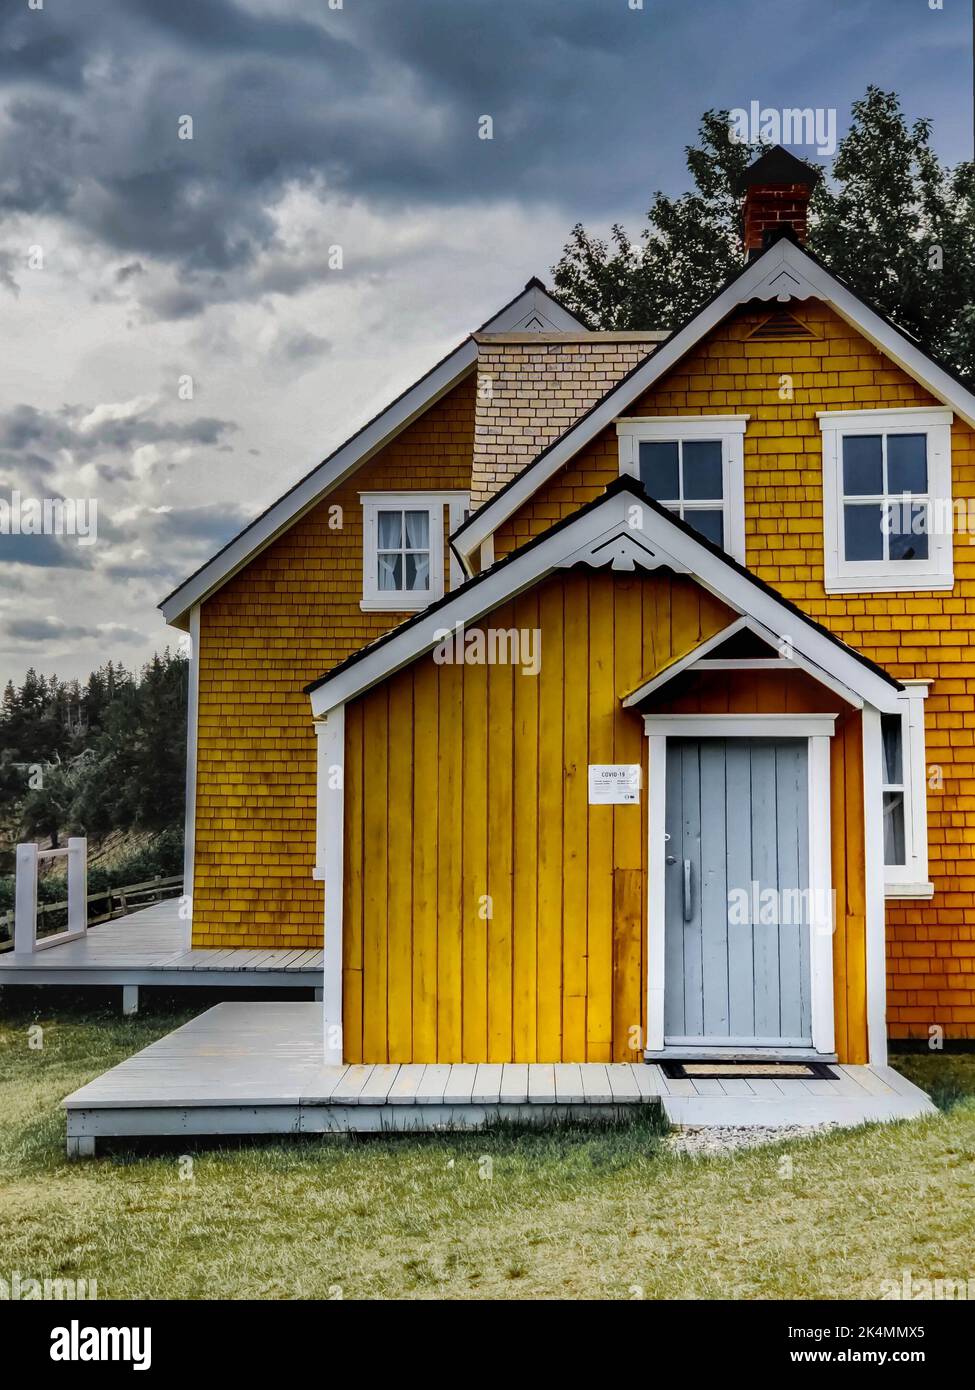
25 901
78 884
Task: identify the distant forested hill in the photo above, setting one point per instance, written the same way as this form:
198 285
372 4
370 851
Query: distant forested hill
90 758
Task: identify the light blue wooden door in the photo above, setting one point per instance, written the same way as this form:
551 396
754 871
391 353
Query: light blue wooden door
737 900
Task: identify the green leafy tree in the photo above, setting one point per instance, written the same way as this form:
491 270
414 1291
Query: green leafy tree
891 220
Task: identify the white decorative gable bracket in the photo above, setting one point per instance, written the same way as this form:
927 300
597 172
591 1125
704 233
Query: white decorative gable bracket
623 549
785 284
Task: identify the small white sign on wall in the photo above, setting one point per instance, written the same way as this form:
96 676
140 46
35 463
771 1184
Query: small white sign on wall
614 784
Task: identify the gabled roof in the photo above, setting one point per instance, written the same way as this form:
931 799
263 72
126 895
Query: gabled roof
784 273
602 534
534 310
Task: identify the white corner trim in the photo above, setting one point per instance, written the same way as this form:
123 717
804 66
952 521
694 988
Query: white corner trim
192 754
741 725
533 303
783 272
873 834
822 925
330 866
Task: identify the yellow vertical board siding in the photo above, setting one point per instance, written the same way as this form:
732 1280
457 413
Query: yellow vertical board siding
373 753
476 898
500 812
290 615
426 763
450 901
525 846
404 821
930 944
540 940
629 822
551 792
575 820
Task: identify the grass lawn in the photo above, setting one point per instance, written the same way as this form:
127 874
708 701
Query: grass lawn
565 1213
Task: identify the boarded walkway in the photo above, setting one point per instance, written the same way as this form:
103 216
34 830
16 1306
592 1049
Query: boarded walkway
256 1068
149 947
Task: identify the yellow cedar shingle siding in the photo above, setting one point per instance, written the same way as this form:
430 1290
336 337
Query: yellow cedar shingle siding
291 615
931 945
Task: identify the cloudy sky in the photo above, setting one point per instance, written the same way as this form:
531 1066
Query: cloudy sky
133 262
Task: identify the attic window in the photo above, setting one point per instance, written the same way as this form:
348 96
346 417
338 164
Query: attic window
403 548
780 325
692 465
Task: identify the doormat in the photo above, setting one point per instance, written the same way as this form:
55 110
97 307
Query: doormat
706 1069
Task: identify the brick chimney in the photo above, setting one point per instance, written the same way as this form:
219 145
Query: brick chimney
777 189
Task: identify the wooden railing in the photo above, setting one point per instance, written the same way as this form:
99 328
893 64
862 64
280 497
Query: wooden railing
26 940
115 902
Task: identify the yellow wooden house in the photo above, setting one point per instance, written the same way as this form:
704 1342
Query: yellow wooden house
610 694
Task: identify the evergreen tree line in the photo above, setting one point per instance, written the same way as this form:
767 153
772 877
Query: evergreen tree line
888 217
88 758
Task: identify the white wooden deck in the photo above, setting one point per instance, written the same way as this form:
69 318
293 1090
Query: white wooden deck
256 1068
149 947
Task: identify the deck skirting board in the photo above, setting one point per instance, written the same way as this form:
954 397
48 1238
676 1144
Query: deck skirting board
258 1068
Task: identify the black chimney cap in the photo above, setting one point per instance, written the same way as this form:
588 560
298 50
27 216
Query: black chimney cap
777 165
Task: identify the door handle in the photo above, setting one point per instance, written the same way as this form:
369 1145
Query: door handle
688 906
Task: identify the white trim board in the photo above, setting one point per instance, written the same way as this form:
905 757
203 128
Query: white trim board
330 866
533 304
783 273
192 742
606 533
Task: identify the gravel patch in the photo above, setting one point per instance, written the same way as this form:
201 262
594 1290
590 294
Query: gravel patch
705 1140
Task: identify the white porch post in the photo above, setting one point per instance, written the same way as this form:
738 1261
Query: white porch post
873 835
78 884
25 900
329 866
192 748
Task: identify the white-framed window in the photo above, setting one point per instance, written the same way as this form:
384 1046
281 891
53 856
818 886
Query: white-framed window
403 548
887 510
905 797
694 465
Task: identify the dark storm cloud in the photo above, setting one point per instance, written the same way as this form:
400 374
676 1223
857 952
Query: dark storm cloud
592 103
379 100
44 552
45 630
24 428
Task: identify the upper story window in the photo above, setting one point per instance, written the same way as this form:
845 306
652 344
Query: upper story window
403 547
905 814
887 512
693 465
